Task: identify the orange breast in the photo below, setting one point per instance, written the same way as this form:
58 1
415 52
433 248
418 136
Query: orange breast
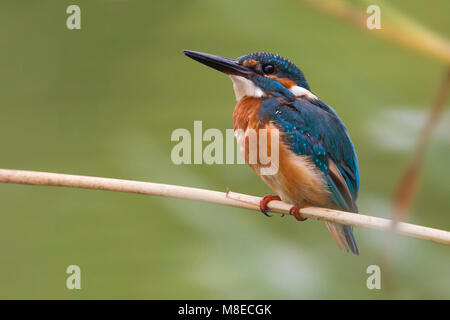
297 180
246 113
247 129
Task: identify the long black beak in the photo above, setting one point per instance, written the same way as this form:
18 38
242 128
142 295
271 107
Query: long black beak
221 64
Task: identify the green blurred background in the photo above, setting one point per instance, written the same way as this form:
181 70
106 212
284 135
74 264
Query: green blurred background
104 100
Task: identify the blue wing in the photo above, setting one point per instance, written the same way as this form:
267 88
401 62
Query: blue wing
313 129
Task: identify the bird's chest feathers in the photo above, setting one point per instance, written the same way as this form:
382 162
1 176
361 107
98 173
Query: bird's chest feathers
296 179
247 125
246 114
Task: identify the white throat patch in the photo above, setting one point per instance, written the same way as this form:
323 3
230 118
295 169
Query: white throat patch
245 88
302 92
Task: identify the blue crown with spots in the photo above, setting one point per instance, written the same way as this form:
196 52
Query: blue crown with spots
283 67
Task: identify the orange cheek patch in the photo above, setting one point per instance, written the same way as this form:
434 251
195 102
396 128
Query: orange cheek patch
250 63
285 82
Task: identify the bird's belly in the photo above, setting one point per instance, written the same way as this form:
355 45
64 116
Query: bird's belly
297 181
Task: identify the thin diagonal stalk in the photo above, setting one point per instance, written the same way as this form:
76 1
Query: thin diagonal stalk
224 198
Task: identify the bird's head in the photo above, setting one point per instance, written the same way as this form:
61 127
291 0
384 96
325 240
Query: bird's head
258 74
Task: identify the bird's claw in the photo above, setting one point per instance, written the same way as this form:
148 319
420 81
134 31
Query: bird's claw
265 201
295 211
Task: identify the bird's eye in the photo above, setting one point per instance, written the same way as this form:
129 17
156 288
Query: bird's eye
268 68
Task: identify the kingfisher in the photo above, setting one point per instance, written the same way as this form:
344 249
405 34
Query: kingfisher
317 163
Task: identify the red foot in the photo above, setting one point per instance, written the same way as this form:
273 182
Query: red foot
295 212
265 201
